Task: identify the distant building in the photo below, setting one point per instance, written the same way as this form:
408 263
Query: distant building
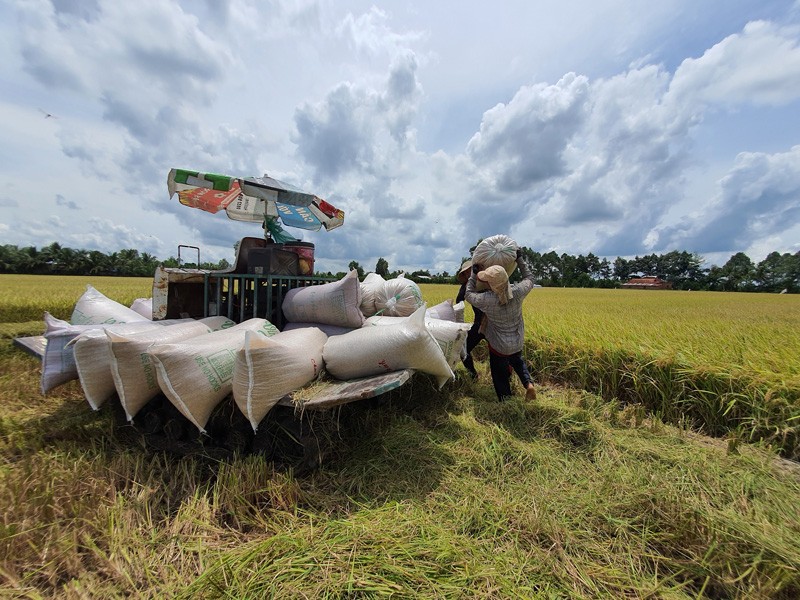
647 283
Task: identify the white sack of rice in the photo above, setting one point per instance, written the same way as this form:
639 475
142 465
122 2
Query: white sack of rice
95 308
326 329
458 310
336 303
443 310
370 287
93 359
373 350
58 362
143 306
268 368
450 336
197 374
495 250
400 297
132 369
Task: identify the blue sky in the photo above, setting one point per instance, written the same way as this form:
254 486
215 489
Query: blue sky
611 126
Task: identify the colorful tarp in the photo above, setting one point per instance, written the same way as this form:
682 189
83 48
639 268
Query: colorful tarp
254 199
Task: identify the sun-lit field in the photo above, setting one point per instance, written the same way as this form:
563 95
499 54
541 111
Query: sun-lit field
26 297
755 333
593 490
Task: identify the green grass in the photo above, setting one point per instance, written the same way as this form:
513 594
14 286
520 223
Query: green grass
426 494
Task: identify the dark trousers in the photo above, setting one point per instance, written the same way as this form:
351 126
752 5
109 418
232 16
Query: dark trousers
500 366
474 337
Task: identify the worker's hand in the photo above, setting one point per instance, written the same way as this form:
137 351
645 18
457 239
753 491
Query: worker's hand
477 269
519 253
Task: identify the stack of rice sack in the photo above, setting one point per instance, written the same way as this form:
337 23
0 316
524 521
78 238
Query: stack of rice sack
93 310
197 374
495 250
83 348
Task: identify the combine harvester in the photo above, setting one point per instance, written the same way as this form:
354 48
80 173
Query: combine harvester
288 346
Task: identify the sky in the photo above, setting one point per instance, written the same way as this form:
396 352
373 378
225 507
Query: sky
616 127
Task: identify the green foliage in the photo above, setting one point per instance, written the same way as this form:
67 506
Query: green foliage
56 260
382 268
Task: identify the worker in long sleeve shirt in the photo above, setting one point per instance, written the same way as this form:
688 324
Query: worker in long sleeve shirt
504 326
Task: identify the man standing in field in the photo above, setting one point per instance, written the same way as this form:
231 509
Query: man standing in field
503 324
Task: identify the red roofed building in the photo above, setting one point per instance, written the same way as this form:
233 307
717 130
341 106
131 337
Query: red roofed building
647 283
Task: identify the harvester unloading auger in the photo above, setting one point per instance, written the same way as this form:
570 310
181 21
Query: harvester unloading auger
248 359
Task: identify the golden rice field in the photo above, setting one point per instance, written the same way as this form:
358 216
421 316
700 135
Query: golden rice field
581 493
719 362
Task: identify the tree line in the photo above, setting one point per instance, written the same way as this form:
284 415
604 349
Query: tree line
58 260
684 270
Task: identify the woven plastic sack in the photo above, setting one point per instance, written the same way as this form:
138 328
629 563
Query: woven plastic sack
132 372
58 361
337 303
374 350
95 308
269 368
451 336
495 250
443 310
400 297
372 285
196 374
458 310
326 329
143 306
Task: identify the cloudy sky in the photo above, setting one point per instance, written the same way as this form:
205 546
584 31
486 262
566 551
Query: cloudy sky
617 127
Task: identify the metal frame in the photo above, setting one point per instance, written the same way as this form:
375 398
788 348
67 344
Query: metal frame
257 296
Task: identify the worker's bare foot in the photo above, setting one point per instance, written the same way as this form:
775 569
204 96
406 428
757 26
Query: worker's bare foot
530 392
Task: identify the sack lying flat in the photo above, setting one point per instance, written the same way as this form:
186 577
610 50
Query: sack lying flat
269 368
58 362
373 350
197 374
95 308
131 368
326 329
337 303
451 336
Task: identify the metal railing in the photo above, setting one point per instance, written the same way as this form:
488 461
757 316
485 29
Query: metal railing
246 296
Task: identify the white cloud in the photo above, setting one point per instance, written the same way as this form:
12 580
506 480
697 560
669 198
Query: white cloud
758 198
760 65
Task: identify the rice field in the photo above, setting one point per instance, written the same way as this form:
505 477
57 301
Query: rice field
595 490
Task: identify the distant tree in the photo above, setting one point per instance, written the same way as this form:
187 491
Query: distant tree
739 273
382 268
354 265
622 269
